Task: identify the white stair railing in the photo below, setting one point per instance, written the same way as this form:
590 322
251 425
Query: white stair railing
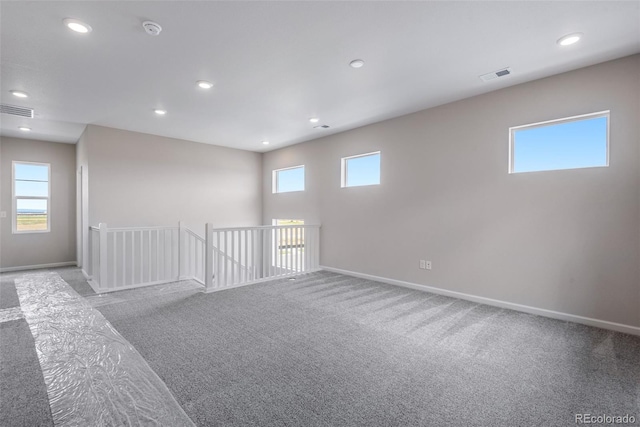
124 258
245 255
192 264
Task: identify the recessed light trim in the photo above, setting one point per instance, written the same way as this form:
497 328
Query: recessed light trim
356 63
314 120
19 93
204 84
24 129
77 26
265 142
569 39
160 112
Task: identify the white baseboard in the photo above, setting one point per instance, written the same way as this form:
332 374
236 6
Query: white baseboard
604 324
35 267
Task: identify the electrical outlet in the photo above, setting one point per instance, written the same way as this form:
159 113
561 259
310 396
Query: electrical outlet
423 264
427 265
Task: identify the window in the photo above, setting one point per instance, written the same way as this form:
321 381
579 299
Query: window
571 143
363 169
288 179
31 189
289 243
297 222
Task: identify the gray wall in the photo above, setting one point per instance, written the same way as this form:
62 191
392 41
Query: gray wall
563 240
137 179
58 245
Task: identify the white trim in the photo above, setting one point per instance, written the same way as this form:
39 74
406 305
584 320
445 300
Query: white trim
37 266
262 227
604 324
344 170
563 119
605 113
274 179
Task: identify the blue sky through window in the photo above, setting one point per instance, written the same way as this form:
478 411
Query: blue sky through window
364 170
290 180
31 172
568 145
31 189
31 181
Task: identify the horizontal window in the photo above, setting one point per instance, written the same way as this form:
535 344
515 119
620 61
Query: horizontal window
288 179
570 143
363 169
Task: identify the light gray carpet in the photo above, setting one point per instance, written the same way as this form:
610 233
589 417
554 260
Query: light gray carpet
331 350
8 295
74 277
23 394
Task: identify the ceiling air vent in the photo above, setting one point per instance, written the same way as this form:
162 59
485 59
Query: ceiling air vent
16 111
321 127
495 74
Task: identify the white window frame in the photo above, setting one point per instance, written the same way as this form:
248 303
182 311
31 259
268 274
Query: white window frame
512 131
344 171
274 179
14 198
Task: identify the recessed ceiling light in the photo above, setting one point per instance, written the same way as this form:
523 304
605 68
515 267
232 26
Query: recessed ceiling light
204 84
265 142
24 128
569 39
77 26
160 112
356 63
19 93
314 120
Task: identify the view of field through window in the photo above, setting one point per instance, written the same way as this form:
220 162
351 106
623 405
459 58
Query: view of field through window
31 197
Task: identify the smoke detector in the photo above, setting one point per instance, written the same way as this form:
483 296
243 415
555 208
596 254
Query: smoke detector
152 28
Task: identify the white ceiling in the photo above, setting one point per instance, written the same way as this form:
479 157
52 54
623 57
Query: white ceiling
276 64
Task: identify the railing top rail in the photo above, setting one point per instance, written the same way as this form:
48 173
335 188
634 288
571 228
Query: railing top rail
135 228
267 227
259 227
141 228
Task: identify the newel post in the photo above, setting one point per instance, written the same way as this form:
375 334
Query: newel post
102 274
182 250
208 254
